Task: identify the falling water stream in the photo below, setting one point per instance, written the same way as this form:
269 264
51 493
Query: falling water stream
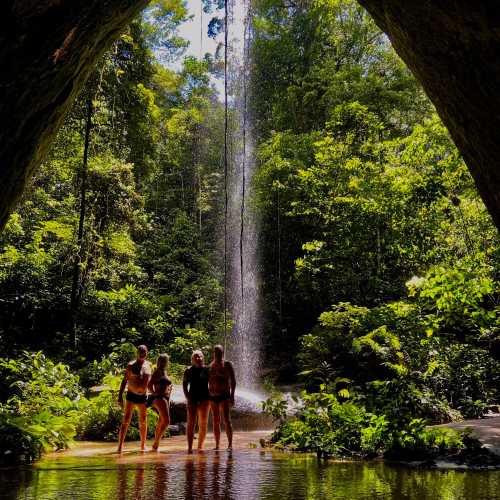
242 222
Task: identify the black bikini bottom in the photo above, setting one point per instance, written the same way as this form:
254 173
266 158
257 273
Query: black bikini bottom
220 398
152 398
138 399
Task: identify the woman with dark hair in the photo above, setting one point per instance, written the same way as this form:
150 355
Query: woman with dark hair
160 388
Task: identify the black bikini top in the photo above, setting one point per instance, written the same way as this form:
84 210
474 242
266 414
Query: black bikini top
164 381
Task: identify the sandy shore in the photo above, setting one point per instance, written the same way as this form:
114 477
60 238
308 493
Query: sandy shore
175 445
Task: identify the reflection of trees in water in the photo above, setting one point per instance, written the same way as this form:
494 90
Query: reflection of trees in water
244 475
15 483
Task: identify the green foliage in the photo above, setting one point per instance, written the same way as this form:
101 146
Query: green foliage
32 383
425 356
360 189
416 442
39 409
101 418
145 269
330 428
184 344
276 407
16 444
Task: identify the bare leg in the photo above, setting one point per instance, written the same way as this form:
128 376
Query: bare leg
127 416
191 422
214 405
143 424
226 415
203 409
162 406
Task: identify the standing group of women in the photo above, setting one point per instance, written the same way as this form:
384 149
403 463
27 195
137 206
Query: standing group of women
206 388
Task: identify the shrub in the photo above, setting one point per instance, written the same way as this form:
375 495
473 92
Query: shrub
331 428
101 419
40 407
325 426
16 444
415 442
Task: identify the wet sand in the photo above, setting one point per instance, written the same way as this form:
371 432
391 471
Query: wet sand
175 445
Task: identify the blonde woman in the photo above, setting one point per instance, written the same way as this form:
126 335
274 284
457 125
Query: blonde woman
160 388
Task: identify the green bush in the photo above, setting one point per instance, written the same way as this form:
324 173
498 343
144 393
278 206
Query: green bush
429 356
16 444
101 419
330 428
325 426
41 404
415 441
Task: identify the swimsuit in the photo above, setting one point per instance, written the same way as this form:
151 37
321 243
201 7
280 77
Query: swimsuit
220 397
219 376
163 382
153 397
138 399
197 379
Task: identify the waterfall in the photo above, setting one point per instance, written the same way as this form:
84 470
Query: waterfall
243 274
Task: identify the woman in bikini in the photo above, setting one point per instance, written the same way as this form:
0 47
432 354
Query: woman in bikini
136 379
160 388
221 387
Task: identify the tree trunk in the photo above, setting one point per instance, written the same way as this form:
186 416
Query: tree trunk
47 51
76 289
453 48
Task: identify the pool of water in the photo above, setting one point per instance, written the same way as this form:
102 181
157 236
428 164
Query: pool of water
241 474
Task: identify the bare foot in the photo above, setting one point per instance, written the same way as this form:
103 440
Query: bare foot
119 451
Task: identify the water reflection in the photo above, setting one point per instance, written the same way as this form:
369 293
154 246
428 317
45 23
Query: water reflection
243 474
130 481
209 476
161 481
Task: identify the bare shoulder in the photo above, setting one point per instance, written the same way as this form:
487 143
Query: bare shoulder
147 367
228 365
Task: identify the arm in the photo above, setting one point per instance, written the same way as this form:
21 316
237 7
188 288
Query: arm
147 375
122 388
151 383
185 385
232 381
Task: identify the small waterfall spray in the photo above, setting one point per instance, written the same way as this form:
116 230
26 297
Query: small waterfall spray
243 277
